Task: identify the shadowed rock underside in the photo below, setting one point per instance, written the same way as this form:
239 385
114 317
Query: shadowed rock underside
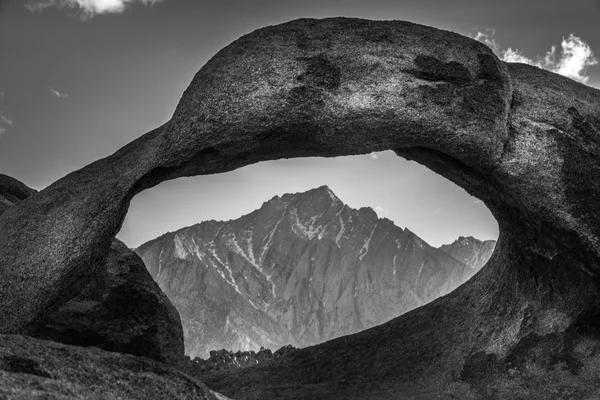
524 141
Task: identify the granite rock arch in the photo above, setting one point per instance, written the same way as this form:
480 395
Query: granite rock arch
524 141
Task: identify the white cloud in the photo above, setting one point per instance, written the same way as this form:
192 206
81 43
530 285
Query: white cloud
437 210
379 210
488 39
514 56
571 61
6 119
5 122
374 156
576 56
87 8
58 94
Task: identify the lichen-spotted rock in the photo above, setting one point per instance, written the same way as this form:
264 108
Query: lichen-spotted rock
523 140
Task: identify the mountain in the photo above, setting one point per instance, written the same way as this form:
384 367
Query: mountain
302 269
470 251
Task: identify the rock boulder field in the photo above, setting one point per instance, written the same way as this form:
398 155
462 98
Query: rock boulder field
524 141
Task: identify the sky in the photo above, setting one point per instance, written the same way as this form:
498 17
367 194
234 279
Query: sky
81 78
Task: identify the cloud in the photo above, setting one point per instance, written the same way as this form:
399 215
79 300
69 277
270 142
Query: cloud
488 39
437 210
6 119
374 156
379 210
5 122
58 94
1 95
86 8
572 61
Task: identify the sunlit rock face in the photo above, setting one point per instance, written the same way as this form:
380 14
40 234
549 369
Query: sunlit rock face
522 140
302 269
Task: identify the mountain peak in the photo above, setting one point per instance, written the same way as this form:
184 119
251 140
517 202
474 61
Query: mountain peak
303 268
321 194
325 190
330 193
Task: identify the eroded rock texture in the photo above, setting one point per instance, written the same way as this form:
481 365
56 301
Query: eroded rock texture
524 141
121 309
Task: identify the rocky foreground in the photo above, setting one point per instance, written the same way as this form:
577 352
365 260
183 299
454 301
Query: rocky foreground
302 269
524 141
40 369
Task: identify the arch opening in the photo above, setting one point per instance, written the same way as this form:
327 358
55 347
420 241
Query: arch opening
309 258
522 140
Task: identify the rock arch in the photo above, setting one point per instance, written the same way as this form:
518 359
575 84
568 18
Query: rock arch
523 140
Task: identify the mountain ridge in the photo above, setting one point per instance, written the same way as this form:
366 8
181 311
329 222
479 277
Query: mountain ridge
303 268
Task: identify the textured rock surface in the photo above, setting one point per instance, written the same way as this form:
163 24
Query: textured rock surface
38 369
523 140
302 269
121 309
12 191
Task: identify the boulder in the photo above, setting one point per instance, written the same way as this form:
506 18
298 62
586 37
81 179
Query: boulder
121 309
523 140
38 369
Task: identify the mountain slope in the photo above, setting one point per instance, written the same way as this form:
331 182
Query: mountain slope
302 269
470 251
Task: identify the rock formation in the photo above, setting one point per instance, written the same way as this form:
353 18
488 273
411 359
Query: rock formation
523 140
121 309
302 269
12 191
